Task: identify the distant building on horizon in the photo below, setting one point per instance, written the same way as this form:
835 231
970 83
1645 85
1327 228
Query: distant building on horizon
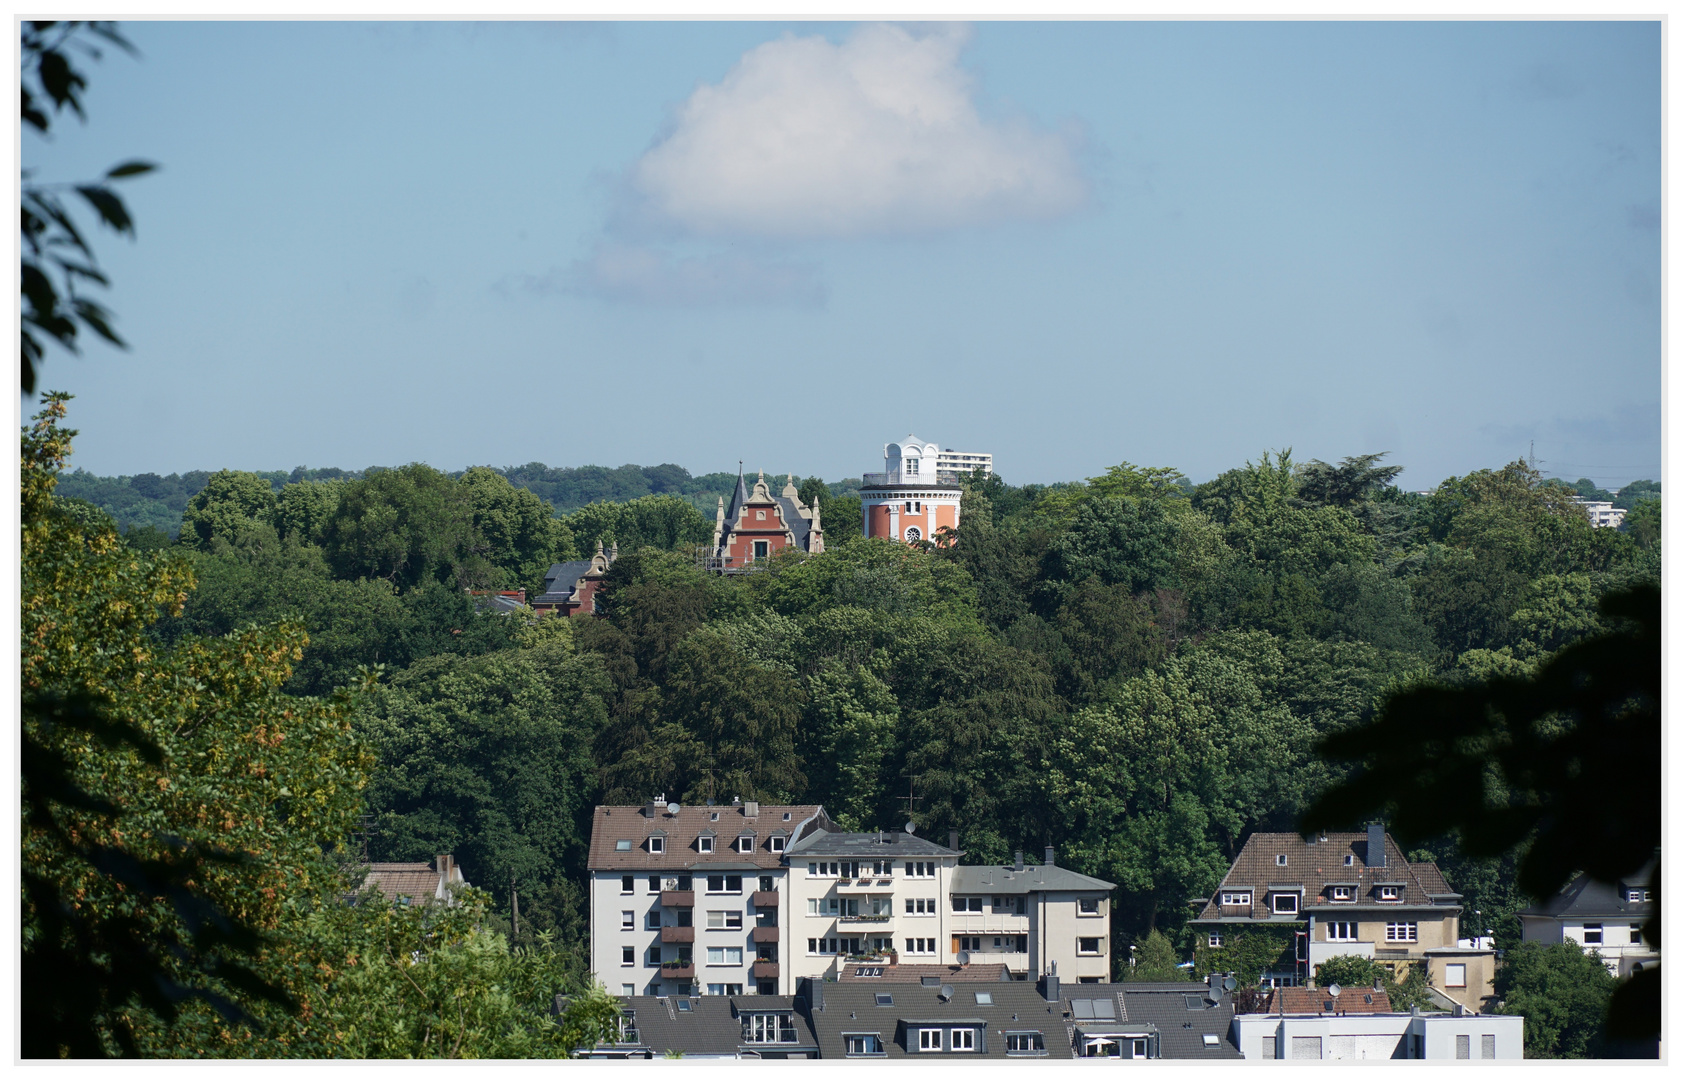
954 465
911 501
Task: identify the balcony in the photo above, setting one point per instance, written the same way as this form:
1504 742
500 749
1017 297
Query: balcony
766 969
764 934
766 899
863 884
677 969
677 898
680 934
897 479
867 918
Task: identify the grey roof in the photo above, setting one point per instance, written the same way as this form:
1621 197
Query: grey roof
1584 897
1160 1007
800 527
851 1008
892 845
733 510
559 581
709 1027
1008 881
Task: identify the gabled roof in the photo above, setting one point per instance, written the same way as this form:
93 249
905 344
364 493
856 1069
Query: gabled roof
1314 865
1585 898
418 882
633 824
851 1008
1182 1014
558 583
1009 881
1313 1000
707 1026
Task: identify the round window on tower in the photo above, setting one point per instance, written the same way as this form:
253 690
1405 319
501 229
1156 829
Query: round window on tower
913 534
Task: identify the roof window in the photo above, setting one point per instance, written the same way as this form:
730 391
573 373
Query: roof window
1279 860
884 999
621 845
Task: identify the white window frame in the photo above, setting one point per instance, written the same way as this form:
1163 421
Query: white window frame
1389 894
1599 932
1280 860
1401 931
724 953
657 845
1294 900
720 919
745 844
1343 894
1454 975
1235 899
627 884
961 1041
1343 931
1034 1039
1215 939
627 956
704 845
1096 950
929 1039
627 920
869 1044
777 843
1097 907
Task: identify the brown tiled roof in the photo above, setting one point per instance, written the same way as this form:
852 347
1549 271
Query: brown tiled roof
1296 1000
1317 865
416 880
910 973
682 830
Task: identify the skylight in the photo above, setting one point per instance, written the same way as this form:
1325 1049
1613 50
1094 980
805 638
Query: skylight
684 1004
884 999
984 997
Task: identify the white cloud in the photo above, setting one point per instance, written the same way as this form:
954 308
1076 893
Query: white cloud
805 139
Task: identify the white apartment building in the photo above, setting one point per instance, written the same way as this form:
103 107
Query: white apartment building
873 899
746 899
1599 917
1334 1036
1602 515
953 465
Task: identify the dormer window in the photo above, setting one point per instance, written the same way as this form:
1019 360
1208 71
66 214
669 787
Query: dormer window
777 843
744 843
704 844
1343 894
1284 903
1637 896
1349 860
1235 899
1389 894
657 845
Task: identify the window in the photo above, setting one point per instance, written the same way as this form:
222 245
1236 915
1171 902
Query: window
919 869
627 989
627 920
864 1045
1463 1047
724 920
884 999
654 956
712 815
1487 1047
1592 933
1638 896
744 843
777 843
1279 860
657 845
984 997
928 1038
1214 939
627 956
913 534
1454 975
1087 946
919 906
1401 931
1635 933
764 883
969 944
817 946
724 883
704 844
621 845
1024 1042
966 903
763 1028
627 884
724 956
1340 931
1139 1045
1089 905
911 465
1285 903
724 989
1235 899
652 920
920 946
1389 894
761 548
1343 894
654 883
963 1039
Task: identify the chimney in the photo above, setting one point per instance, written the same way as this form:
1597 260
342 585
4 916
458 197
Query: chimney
1018 862
1050 855
813 989
443 864
1051 987
1375 845
952 839
750 810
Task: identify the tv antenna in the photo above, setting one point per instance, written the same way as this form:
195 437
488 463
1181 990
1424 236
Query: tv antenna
364 829
910 798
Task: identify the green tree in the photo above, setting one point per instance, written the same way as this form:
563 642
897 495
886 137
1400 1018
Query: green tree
1125 542
1562 993
1351 972
851 725
231 504
405 525
303 510
515 532
1156 961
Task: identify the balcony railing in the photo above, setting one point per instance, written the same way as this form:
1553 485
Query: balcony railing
677 934
764 898
867 918
883 479
677 898
678 969
765 933
862 883
765 969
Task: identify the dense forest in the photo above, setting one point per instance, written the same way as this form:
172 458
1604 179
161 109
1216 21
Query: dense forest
1132 667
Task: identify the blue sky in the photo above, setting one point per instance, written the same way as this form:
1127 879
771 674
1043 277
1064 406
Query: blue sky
1069 244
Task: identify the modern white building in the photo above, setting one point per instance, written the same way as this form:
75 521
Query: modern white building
1602 515
954 465
1331 1036
1599 917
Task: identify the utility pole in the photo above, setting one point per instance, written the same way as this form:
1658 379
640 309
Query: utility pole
515 890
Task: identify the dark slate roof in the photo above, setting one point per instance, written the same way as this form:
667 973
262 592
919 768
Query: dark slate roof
1585 898
1008 881
1167 1007
559 581
733 509
881 972
893 845
800 527
850 1008
709 1027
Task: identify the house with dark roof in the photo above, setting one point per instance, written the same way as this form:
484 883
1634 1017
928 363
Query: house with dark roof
1336 894
949 1022
757 524
573 587
1600 916
1182 1021
756 1026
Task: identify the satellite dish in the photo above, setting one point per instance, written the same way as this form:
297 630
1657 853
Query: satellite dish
963 958
1231 983
673 808
946 992
910 827
1334 989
